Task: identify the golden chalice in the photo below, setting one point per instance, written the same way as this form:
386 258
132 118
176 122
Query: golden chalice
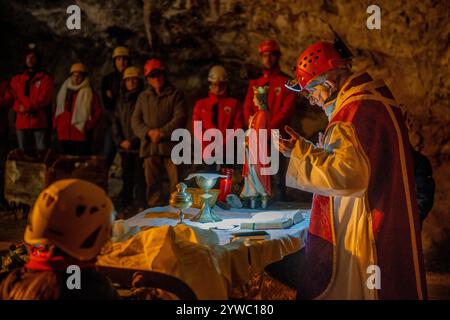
205 181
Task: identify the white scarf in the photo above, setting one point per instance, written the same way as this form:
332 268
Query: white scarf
83 103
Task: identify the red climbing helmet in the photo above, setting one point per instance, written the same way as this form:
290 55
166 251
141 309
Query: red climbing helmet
316 60
151 65
268 46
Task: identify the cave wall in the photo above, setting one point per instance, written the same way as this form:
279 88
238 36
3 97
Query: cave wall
410 52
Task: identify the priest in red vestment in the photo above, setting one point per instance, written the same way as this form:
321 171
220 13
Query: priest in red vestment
364 237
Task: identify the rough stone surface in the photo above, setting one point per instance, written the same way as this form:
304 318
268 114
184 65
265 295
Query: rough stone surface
411 52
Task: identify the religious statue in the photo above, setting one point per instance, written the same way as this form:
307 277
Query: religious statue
256 183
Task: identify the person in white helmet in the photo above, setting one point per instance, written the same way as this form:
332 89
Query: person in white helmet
70 223
218 110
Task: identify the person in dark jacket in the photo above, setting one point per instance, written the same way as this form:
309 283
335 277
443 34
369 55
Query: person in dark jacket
126 141
159 111
33 91
111 84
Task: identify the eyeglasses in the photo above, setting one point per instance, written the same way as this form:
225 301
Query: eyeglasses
307 92
311 87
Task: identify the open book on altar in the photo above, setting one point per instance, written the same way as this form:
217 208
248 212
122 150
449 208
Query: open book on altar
273 220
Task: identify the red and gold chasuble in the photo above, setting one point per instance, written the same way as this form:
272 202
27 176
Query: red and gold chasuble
364 209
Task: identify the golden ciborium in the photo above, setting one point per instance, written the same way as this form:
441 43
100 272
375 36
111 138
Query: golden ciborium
180 200
205 181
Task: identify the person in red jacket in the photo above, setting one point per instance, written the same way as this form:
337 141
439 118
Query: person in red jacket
77 112
6 100
218 110
33 91
280 101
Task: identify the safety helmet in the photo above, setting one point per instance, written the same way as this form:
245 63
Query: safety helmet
268 46
317 59
218 74
131 72
120 52
151 65
78 67
74 215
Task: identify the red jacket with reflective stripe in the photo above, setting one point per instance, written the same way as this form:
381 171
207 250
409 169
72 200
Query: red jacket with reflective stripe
229 114
280 100
37 104
64 128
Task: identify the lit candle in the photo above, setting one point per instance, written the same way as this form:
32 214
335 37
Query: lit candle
225 183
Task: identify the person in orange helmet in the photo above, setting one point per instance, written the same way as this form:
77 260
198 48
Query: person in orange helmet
159 110
280 100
